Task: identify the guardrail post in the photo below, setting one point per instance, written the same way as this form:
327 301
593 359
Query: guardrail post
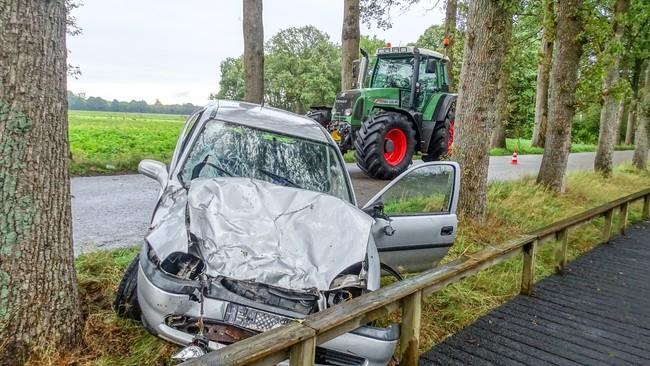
528 272
646 207
410 330
303 353
623 217
563 238
607 225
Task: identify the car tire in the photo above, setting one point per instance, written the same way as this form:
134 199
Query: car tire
441 140
384 145
126 300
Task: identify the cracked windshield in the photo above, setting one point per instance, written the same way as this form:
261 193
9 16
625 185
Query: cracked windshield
393 73
423 191
230 150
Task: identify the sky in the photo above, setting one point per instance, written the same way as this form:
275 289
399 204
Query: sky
171 49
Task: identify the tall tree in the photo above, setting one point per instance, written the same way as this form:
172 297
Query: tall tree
350 38
608 114
450 33
499 133
631 117
563 82
253 51
543 71
488 24
640 158
39 304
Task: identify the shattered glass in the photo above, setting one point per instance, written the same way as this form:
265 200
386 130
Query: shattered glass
225 149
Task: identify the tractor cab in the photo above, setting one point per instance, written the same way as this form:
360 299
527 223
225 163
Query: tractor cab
401 106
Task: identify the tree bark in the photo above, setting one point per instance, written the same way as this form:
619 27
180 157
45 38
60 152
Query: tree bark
350 38
450 33
608 121
489 21
253 51
631 116
499 133
620 115
39 304
543 70
640 158
563 82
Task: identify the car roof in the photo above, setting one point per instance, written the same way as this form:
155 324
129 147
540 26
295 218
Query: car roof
266 118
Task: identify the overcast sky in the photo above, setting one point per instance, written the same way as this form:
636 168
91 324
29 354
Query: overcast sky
171 49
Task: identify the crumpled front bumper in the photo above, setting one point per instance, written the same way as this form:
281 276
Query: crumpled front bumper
160 295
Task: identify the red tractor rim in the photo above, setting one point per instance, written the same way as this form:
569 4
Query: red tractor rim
395 146
450 142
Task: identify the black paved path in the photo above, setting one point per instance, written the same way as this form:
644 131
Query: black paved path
598 313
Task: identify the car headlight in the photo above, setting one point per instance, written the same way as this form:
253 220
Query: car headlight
347 112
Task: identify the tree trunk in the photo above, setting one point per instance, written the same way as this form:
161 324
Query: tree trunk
640 158
488 23
253 51
608 122
450 33
631 116
561 103
543 70
39 304
620 115
350 37
501 119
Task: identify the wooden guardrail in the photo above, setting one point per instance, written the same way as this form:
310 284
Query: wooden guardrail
297 341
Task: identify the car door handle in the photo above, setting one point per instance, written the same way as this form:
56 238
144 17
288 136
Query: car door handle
446 230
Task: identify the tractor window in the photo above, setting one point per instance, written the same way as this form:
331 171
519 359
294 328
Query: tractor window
428 84
393 73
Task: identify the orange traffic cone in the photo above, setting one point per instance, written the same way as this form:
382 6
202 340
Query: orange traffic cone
514 160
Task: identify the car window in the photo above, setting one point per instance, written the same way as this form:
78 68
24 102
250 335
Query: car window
226 149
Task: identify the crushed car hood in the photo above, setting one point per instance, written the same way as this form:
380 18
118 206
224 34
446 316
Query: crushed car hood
253 230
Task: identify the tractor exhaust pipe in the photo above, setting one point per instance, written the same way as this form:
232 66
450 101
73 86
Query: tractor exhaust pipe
363 69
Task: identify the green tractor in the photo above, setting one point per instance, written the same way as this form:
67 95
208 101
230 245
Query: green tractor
404 108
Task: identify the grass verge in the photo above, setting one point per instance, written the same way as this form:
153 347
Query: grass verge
514 208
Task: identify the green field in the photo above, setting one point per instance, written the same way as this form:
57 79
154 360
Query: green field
112 142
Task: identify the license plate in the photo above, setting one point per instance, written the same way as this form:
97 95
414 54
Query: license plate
253 319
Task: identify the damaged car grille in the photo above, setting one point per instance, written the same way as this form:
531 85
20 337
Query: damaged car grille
253 319
300 302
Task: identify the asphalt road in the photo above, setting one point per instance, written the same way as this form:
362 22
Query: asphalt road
114 211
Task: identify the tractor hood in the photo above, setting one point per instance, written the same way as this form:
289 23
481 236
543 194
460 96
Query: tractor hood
251 230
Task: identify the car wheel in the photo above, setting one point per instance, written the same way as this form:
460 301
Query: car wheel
126 299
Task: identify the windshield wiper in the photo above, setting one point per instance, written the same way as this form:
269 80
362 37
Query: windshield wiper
287 181
196 171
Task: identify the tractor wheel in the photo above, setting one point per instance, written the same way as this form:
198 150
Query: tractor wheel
384 145
442 140
126 299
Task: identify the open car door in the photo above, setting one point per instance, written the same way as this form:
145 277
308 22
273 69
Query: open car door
415 216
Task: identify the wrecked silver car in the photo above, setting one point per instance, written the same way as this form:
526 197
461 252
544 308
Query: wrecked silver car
257 225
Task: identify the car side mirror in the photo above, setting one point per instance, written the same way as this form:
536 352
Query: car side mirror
431 67
154 170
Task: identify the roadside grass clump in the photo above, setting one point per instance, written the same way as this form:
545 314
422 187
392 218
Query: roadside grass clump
114 143
514 208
